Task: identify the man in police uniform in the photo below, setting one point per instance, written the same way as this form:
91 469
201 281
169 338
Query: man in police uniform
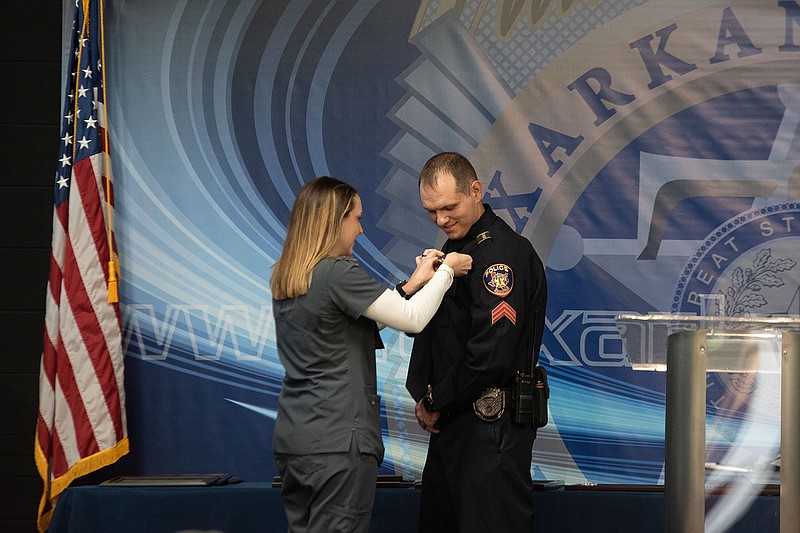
463 364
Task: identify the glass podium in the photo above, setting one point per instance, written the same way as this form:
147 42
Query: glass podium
690 348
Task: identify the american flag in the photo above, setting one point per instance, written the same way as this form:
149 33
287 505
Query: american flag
81 424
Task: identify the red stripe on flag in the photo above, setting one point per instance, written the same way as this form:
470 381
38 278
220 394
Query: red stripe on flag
85 182
82 425
81 302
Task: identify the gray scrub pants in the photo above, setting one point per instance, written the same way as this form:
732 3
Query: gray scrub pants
328 492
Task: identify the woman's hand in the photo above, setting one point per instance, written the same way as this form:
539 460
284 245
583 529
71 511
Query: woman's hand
430 254
460 263
427 263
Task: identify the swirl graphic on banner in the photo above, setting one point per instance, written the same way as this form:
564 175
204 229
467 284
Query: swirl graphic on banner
617 136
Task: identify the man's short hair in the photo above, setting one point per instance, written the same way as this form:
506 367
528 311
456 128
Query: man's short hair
452 163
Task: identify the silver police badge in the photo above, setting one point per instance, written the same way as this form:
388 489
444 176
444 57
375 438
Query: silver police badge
491 404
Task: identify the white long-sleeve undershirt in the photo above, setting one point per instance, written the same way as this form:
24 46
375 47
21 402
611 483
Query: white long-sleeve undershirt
412 315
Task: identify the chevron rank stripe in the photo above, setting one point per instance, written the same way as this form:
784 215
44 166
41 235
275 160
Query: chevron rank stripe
504 309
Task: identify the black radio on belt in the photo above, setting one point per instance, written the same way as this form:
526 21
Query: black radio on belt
541 393
522 397
529 397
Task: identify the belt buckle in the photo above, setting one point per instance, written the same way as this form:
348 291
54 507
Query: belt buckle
490 405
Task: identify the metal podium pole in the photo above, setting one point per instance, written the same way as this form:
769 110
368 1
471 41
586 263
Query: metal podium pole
730 345
790 443
685 433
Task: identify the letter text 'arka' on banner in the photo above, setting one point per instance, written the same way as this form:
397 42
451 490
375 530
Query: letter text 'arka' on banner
81 425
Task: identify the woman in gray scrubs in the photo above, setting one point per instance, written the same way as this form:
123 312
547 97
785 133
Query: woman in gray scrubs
327 440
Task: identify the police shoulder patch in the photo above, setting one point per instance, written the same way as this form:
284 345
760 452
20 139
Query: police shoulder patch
498 279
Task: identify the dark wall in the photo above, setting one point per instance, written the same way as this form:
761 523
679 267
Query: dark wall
30 41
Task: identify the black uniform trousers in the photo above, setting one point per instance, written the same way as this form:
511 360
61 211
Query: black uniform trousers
477 477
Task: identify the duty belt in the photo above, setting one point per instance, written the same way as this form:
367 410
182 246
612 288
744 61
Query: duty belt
491 404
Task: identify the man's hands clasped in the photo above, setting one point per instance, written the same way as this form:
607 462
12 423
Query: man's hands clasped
427 419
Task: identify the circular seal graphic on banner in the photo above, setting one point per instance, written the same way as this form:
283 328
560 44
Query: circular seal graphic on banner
499 280
746 267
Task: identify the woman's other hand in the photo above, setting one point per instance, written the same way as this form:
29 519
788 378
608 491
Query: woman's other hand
460 263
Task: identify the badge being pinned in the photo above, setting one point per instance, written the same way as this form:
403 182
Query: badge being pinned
504 310
498 280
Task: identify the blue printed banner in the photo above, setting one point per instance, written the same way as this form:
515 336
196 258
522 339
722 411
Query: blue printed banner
648 150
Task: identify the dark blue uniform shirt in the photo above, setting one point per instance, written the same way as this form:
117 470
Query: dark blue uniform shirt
490 321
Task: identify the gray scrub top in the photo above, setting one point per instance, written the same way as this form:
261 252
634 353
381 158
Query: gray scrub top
329 393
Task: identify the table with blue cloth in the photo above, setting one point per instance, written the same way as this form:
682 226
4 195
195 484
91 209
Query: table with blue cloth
256 507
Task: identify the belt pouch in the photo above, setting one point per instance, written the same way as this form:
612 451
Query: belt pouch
541 393
522 397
